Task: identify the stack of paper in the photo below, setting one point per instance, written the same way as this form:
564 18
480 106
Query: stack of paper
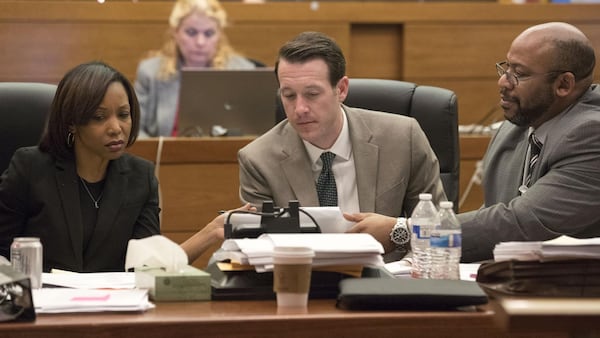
336 249
96 280
563 247
89 292
60 300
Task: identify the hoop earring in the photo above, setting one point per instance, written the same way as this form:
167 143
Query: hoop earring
70 140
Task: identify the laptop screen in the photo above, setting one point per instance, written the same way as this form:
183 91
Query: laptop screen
226 102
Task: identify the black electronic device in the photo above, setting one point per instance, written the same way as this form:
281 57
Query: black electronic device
273 220
16 302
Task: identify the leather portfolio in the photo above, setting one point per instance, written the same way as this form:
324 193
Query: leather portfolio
557 278
408 294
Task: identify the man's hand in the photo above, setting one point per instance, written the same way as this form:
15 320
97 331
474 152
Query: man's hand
379 226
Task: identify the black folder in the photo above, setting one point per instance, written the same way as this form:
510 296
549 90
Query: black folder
408 294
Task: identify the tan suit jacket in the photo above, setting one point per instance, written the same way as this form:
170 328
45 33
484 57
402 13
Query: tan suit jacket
394 163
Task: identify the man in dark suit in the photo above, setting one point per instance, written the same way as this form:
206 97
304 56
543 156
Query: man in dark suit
552 187
382 161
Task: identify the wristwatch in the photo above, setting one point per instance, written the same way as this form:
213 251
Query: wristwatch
400 234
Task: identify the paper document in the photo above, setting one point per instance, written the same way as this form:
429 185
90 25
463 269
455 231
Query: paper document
61 300
330 249
562 247
330 219
97 280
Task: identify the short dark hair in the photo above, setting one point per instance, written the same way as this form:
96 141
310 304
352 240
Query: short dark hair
77 98
314 45
576 56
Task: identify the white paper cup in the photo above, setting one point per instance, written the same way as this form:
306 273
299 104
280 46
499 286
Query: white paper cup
291 275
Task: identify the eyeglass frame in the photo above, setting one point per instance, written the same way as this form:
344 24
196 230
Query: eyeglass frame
501 72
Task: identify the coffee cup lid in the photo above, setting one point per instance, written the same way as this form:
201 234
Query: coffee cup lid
293 251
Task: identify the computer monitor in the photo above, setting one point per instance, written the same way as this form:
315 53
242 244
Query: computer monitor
226 102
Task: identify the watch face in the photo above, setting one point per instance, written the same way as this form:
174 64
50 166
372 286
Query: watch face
400 235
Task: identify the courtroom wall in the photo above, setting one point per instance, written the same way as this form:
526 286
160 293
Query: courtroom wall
453 45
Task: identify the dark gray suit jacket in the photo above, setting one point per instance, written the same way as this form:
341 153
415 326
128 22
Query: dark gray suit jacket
39 196
393 159
564 198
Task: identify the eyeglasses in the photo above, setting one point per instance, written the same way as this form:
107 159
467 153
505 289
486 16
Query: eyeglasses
503 68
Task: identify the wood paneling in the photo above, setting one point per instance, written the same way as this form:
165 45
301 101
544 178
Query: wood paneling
197 178
376 51
448 44
472 149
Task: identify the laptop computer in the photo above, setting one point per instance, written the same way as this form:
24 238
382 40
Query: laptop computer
226 102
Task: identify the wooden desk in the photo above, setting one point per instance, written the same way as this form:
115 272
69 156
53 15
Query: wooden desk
260 319
574 315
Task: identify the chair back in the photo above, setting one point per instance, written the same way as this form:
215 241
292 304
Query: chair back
24 107
436 110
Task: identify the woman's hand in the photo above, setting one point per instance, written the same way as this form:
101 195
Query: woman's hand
210 234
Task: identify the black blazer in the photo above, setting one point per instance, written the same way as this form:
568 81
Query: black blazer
39 196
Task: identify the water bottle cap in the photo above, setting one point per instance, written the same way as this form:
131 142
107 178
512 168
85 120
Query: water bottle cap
425 196
446 205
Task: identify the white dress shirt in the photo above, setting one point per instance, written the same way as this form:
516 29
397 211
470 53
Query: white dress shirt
343 168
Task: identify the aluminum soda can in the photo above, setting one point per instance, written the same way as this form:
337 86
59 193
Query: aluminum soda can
26 257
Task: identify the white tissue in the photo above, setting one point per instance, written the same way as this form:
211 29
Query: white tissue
330 219
155 252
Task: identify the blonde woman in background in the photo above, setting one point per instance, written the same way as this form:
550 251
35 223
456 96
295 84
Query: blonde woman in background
196 38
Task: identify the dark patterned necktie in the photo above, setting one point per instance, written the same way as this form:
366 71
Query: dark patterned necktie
326 188
536 148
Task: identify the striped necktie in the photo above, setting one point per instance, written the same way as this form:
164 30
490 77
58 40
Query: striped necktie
326 188
536 147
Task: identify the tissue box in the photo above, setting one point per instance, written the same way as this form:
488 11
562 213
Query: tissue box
188 284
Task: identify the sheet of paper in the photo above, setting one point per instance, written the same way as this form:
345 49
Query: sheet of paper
330 219
323 243
99 280
562 247
331 249
61 300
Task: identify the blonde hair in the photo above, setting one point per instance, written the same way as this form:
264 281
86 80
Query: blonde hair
170 54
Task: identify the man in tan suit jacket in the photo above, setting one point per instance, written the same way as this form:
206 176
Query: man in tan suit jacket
383 161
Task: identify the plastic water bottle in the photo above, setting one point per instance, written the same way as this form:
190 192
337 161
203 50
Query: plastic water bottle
423 220
445 244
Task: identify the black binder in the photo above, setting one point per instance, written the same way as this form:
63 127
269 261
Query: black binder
408 294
